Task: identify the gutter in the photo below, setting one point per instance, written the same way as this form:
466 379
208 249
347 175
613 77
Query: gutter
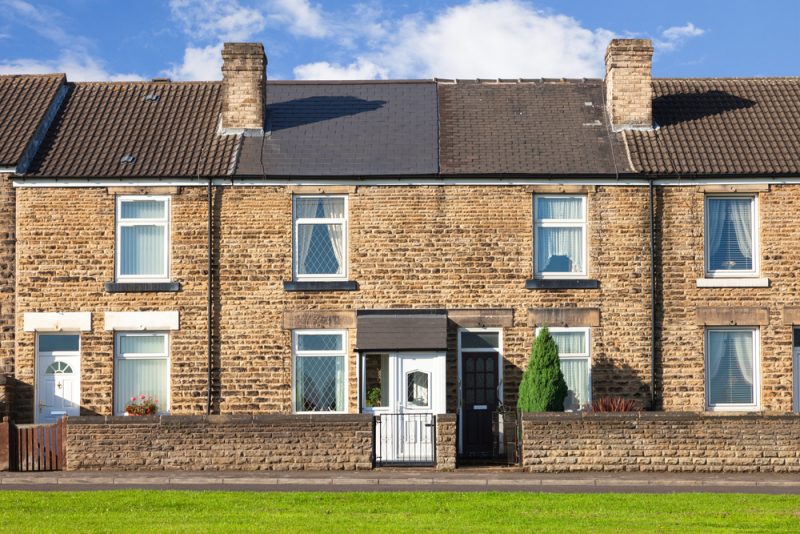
209 296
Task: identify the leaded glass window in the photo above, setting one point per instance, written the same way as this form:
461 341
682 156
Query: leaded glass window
319 371
320 237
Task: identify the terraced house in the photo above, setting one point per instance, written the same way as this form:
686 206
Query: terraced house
344 274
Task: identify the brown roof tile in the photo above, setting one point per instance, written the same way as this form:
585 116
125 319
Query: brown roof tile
24 101
735 126
173 136
555 127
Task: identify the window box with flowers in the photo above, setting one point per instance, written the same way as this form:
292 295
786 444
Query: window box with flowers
143 405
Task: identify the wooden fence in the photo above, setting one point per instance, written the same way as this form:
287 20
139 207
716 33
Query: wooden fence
37 447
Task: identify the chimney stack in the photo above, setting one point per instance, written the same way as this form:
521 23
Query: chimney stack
628 86
244 79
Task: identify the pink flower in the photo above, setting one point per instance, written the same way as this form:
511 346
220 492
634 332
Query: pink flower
142 396
133 399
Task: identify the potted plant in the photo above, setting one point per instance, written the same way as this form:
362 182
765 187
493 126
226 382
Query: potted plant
143 405
374 397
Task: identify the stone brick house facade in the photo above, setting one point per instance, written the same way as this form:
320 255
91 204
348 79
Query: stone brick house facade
393 246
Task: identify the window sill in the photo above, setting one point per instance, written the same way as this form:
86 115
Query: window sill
142 287
343 285
555 283
733 282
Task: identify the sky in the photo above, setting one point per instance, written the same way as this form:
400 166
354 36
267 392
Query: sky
396 39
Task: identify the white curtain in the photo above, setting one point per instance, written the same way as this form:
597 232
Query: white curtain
576 375
559 208
340 400
741 217
570 342
143 250
731 367
559 249
139 376
738 213
299 385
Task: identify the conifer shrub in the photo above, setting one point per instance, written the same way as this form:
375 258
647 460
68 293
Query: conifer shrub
543 388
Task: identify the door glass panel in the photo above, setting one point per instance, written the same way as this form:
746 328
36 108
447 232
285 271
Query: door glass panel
58 368
58 343
376 377
417 388
480 340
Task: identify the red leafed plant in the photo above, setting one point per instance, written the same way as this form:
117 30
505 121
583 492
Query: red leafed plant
613 404
144 405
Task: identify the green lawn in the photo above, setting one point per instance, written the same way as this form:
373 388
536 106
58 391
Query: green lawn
184 511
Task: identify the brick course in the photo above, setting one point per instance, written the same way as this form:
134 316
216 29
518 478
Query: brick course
260 443
658 442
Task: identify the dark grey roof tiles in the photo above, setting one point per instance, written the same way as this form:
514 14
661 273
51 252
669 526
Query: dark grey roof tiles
545 127
358 129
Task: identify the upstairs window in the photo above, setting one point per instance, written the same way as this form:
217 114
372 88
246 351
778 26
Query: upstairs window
559 236
731 237
320 237
143 238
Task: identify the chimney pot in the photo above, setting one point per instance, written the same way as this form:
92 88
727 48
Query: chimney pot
244 79
628 84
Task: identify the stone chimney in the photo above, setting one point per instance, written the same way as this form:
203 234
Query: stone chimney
244 79
629 88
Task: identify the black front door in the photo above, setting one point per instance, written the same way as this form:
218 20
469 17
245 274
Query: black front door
479 382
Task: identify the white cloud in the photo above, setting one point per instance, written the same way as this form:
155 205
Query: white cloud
674 36
300 16
79 68
199 63
360 70
218 20
488 39
75 58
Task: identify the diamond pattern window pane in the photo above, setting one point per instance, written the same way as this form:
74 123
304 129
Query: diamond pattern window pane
316 342
319 384
320 249
417 383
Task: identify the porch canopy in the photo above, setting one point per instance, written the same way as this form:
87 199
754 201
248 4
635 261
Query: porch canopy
387 330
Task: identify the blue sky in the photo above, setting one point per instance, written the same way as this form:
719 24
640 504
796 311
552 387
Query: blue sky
135 39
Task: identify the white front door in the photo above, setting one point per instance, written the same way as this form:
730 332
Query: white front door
58 386
404 390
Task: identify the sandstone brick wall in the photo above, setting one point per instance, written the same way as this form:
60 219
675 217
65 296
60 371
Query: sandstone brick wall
446 442
244 77
65 258
680 262
5 396
259 443
409 247
659 442
7 268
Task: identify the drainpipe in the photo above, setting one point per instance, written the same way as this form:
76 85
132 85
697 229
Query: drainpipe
652 301
209 295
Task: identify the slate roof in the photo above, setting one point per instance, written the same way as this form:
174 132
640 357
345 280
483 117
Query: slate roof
24 101
359 129
543 127
734 126
173 136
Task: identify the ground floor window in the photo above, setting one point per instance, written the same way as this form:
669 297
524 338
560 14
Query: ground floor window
376 380
796 354
320 376
574 354
141 368
732 368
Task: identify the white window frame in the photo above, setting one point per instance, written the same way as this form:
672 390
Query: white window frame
755 406
577 356
296 222
306 353
165 222
144 356
581 223
752 273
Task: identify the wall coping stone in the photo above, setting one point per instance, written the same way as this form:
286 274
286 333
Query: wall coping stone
446 417
217 419
655 416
